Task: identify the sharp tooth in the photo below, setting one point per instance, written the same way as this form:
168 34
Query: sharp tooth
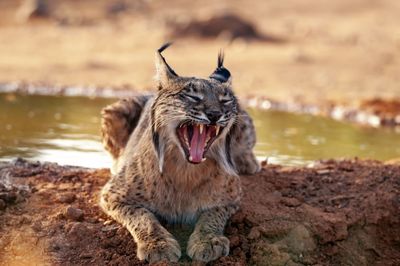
208 138
187 143
190 158
185 137
202 160
217 130
201 126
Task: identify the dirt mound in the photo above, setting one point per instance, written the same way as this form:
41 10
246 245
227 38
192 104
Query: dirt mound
335 213
229 26
33 9
387 110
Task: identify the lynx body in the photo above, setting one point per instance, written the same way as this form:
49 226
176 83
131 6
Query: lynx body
177 155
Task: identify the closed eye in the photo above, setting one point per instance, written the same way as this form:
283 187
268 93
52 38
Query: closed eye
226 102
193 98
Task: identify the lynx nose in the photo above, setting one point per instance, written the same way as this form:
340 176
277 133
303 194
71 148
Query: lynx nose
213 116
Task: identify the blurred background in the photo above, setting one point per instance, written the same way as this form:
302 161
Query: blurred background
309 53
310 49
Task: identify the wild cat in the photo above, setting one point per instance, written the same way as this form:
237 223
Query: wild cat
177 155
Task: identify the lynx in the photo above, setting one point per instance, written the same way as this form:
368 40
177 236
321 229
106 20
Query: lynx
177 155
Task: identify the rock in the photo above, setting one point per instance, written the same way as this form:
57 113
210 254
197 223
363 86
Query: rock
290 202
234 241
254 233
68 197
299 240
74 214
267 254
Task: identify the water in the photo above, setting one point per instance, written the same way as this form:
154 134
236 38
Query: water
66 130
57 129
294 139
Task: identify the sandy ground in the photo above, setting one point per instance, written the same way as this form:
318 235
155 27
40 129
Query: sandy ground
337 50
336 213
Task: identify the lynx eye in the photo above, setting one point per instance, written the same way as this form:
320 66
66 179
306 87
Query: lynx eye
193 98
226 101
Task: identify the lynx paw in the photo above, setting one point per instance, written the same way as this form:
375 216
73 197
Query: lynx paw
167 249
207 248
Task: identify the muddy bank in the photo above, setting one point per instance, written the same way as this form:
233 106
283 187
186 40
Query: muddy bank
373 112
336 213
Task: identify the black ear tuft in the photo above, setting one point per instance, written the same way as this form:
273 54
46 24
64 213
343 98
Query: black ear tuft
164 46
220 62
221 73
160 50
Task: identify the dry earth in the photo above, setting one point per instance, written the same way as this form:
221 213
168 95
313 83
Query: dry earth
335 213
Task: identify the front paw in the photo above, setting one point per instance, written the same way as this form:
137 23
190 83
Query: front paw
166 249
207 248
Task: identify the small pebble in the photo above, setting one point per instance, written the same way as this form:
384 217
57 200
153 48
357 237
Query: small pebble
86 256
254 233
290 202
66 197
234 241
73 213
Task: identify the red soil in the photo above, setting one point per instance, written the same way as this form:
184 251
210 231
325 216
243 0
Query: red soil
336 213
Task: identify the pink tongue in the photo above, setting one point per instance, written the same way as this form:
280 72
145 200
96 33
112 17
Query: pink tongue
197 144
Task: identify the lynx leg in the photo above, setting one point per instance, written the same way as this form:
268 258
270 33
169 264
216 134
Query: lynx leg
243 140
207 241
154 242
118 120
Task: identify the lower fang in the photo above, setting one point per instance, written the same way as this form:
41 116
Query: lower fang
190 158
203 160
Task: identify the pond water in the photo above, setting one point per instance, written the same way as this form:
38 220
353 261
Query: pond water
66 130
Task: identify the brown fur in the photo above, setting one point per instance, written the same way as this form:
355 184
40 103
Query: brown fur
152 178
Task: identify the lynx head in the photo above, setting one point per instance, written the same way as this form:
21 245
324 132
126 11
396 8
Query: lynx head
194 114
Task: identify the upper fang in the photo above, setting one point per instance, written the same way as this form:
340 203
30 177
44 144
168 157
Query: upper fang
201 127
217 130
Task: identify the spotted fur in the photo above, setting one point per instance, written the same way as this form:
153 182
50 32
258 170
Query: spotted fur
153 180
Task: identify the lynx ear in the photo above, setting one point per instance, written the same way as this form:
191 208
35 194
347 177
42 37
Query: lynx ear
165 74
221 73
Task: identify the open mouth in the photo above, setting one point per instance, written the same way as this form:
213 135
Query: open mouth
196 138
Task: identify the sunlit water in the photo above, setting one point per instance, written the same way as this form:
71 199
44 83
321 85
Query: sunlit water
66 130
297 139
57 129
